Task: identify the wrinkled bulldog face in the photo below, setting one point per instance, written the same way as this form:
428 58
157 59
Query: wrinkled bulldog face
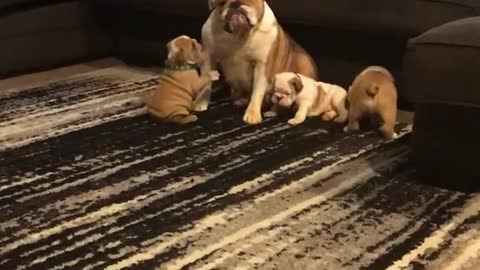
239 16
283 97
285 89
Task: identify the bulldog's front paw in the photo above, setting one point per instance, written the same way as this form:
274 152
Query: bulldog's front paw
252 117
241 102
346 129
270 114
294 121
200 106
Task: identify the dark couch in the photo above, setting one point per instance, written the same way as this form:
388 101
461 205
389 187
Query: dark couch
433 53
442 77
343 35
38 34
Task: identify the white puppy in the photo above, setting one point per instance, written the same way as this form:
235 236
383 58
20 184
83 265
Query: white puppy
310 97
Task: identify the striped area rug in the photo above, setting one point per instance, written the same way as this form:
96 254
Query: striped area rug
88 181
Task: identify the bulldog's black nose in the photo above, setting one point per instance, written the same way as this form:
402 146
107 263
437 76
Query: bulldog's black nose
235 5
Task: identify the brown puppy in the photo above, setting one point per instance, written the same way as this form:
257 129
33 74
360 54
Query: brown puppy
179 82
245 39
372 93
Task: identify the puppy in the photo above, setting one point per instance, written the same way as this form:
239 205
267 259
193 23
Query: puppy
373 93
244 38
310 97
179 82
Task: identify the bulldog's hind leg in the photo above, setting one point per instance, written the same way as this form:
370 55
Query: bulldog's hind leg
306 66
342 114
239 98
178 117
387 128
354 116
329 115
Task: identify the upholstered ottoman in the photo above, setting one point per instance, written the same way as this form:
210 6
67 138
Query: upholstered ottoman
442 73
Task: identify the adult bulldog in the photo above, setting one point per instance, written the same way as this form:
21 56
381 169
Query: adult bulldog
245 39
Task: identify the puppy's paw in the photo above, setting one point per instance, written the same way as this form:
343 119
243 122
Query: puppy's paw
252 117
351 127
346 129
329 116
214 75
200 106
295 121
190 119
270 114
395 136
183 119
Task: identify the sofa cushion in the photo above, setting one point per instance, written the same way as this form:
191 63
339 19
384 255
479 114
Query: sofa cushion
16 4
443 64
11 3
50 36
398 17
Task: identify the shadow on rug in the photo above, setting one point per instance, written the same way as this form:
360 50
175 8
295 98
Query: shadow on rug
88 181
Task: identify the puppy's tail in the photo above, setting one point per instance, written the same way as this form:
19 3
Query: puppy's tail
372 90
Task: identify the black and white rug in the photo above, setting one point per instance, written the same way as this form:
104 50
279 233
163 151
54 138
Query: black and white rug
88 181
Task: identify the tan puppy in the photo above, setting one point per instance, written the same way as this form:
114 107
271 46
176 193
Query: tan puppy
179 82
373 93
245 39
310 98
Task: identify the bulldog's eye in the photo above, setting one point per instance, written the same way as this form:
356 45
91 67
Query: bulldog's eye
221 2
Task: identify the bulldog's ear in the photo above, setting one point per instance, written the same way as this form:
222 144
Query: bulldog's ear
211 4
296 83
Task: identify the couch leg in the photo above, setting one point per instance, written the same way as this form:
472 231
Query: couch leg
446 146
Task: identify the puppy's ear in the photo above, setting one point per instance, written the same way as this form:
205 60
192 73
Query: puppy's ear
180 56
186 53
296 83
196 47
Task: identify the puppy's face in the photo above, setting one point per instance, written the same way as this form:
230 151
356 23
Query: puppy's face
184 50
285 89
239 16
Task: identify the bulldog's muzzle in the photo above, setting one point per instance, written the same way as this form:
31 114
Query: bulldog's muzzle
236 19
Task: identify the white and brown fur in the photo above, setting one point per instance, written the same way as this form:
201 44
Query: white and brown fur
311 98
172 101
373 93
250 58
